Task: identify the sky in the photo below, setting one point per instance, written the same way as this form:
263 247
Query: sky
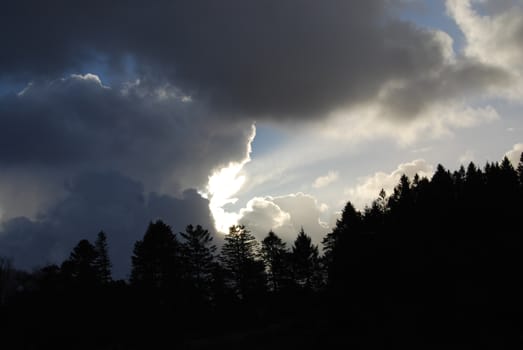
272 114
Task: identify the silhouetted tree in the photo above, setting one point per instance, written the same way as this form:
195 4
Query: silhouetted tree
335 243
402 199
198 256
239 256
81 265
102 261
155 259
375 214
305 261
276 258
439 261
520 170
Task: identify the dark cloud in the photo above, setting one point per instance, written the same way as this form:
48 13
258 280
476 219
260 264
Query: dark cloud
149 132
98 201
462 80
257 58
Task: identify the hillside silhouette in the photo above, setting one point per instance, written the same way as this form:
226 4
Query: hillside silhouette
435 264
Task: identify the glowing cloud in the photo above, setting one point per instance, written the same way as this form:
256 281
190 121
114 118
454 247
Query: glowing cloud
223 184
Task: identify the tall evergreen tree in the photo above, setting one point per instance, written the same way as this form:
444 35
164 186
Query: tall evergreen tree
520 170
155 260
275 256
198 256
239 256
81 265
401 199
305 261
349 223
509 176
102 261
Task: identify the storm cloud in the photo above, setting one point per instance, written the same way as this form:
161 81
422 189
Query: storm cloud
249 59
148 132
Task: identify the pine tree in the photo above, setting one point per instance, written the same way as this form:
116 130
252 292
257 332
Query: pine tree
336 244
402 198
198 256
155 260
81 265
349 223
509 176
520 170
275 256
102 261
239 256
305 261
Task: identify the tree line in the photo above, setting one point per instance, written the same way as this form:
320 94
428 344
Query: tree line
438 261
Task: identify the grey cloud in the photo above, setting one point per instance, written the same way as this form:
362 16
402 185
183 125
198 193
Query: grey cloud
460 80
305 212
149 132
98 201
273 58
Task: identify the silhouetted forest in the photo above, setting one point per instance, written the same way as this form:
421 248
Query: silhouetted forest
437 263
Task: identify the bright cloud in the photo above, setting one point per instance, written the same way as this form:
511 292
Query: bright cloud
499 33
365 124
285 215
369 187
494 39
223 185
515 153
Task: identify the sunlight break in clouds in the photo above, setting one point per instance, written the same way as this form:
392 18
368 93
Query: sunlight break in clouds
223 185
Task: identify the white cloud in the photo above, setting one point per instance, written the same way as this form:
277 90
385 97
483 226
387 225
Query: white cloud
369 187
498 33
515 153
326 180
261 215
223 185
494 39
365 124
285 215
87 77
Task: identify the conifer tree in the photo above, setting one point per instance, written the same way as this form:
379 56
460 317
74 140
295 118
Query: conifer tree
81 265
198 255
275 256
102 261
520 170
155 260
239 256
305 261
336 244
349 223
